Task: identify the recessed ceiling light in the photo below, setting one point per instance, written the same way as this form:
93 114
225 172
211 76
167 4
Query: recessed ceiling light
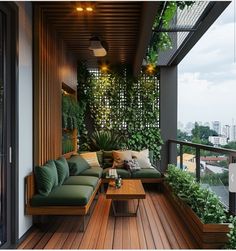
89 9
79 9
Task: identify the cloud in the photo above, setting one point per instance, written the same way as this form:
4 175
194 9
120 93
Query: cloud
207 75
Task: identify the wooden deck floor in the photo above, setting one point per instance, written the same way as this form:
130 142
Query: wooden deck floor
156 226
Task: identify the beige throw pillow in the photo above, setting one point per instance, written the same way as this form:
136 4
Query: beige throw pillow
142 158
91 158
119 158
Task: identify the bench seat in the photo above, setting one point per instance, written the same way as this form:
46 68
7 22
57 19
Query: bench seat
145 173
65 195
124 174
82 180
94 171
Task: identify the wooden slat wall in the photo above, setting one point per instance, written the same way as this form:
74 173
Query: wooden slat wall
52 66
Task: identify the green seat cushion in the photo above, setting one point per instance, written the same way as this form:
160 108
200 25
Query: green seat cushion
107 159
82 180
62 170
124 174
64 196
94 171
77 165
146 173
46 177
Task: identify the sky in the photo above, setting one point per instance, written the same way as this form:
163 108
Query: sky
207 75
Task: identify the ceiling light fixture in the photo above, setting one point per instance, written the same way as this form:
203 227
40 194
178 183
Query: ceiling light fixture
97 47
89 9
80 9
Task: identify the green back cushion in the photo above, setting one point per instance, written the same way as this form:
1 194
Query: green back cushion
62 170
77 165
100 157
46 177
107 159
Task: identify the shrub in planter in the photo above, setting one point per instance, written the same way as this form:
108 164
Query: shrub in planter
203 202
232 233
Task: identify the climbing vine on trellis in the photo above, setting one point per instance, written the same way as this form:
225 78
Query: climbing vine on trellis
127 106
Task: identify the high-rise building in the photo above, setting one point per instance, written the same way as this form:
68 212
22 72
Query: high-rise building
233 133
226 131
216 127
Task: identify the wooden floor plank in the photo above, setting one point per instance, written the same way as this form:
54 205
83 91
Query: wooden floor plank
176 220
108 243
146 226
104 222
175 239
93 226
118 240
157 226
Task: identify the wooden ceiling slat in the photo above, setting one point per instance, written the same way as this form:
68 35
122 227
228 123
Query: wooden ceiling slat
117 23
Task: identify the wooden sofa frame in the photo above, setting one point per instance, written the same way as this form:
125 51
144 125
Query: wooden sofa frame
30 191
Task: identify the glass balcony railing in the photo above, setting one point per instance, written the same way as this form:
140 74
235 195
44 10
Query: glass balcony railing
209 165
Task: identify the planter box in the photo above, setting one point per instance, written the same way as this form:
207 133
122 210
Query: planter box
208 236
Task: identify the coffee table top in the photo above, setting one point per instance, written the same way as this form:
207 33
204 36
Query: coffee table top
130 189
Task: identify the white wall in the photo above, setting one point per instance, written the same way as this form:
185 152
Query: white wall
25 107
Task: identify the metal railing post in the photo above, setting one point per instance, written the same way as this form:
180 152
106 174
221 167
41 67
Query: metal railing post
181 156
232 196
198 167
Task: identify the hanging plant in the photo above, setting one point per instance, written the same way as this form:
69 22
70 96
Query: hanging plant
161 41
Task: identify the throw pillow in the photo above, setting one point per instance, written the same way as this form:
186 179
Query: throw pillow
142 158
120 157
77 164
46 177
132 165
62 170
91 158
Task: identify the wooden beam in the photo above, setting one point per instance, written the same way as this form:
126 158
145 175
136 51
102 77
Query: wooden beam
149 12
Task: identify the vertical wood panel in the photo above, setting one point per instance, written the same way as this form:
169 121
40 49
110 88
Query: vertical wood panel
52 65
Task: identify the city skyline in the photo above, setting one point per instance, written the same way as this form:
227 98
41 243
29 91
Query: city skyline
207 76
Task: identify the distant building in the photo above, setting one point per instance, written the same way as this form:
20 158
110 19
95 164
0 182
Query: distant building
216 127
189 163
207 124
226 131
218 140
233 133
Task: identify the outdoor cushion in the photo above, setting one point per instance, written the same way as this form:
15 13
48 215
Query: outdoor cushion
77 165
46 177
120 157
95 172
146 173
82 180
100 157
91 158
64 196
62 170
124 174
107 159
142 158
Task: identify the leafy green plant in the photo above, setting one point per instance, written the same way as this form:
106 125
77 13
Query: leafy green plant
203 202
105 140
147 138
161 41
67 143
232 233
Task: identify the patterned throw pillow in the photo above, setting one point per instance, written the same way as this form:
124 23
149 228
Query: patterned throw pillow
142 158
132 165
119 157
91 158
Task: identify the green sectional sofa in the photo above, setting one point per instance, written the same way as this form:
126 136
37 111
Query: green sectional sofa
68 187
147 175
62 187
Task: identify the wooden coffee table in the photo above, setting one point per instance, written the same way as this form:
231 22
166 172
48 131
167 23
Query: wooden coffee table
130 190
